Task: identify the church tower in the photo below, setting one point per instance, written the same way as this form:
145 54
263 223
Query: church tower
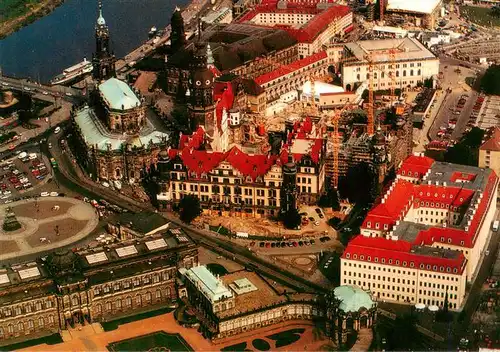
178 34
289 186
103 60
201 104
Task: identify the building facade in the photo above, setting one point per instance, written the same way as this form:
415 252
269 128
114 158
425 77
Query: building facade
489 152
431 228
399 63
68 289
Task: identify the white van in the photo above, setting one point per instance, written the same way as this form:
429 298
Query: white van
57 130
495 225
32 156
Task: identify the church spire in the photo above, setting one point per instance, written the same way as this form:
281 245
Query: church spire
100 20
210 56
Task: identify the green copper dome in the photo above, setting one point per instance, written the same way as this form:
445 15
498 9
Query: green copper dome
353 298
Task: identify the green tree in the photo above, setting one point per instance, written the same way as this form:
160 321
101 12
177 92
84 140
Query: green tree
490 83
291 219
404 335
331 310
189 208
180 117
334 222
360 184
466 152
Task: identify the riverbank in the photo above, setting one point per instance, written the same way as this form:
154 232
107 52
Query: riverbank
27 14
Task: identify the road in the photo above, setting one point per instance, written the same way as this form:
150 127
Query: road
38 90
73 179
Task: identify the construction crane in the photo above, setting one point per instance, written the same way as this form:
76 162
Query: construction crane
370 128
381 9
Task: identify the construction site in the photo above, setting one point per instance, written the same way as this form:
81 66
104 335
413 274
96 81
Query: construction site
483 50
376 130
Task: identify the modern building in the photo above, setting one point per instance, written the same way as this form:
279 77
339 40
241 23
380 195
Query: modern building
67 289
413 13
489 152
114 139
401 63
426 237
313 24
242 301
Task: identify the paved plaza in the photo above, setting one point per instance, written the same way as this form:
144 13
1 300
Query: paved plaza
309 340
47 223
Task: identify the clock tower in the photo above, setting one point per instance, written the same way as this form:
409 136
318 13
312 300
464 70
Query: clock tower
201 104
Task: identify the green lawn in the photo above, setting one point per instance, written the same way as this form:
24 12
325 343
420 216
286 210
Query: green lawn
14 8
479 15
157 341
287 337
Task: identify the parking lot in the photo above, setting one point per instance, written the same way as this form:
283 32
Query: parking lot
488 114
21 174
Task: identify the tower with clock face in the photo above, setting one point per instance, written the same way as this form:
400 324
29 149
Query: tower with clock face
201 104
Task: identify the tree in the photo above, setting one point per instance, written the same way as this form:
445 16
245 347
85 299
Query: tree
360 184
180 116
490 83
404 335
495 11
466 152
291 219
334 222
331 310
189 208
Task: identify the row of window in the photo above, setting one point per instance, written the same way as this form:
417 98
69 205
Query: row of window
26 308
127 301
29 325
134 282
404 263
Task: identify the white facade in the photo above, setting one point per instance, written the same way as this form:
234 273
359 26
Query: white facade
404 285
406 74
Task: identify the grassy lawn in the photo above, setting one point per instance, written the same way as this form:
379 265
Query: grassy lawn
287 337
160 341
479 15
14 8
113 324
236 348
49 340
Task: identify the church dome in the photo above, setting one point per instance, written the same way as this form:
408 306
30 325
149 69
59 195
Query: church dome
353 299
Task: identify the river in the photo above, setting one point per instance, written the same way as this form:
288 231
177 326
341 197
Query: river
65 36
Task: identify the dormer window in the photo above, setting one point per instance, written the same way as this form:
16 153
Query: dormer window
449 240
369 224
348 255
355 256
377 225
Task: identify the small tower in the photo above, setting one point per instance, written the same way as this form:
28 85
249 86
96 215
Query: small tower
289 185
103 60
201 104
178 34
210 57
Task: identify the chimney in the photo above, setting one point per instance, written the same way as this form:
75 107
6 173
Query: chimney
437 183
466 228
394 238
445 224
429 182
383 200
397 223
444 184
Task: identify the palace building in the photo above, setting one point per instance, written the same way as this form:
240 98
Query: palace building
426 238
69 288
401 63
313 24
242 301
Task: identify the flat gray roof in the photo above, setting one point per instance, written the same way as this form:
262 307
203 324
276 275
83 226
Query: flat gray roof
442 172
407 49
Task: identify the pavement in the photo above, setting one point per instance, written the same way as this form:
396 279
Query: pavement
77 210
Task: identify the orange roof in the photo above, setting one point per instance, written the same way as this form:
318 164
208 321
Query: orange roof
286 69
314 27
415 166
493 144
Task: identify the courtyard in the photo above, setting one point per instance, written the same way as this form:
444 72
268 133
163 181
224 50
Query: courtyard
168 335
46 223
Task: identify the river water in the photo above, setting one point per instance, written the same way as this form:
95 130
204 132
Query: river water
65 36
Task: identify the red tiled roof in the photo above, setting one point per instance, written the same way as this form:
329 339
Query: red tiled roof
311 29
286 69
215 71
415 166
250 165
200 161
224 95
314 152
492 144
460 176
393 208
399 253
441 196
194 141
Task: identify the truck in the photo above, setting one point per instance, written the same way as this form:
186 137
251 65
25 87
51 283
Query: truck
495 225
